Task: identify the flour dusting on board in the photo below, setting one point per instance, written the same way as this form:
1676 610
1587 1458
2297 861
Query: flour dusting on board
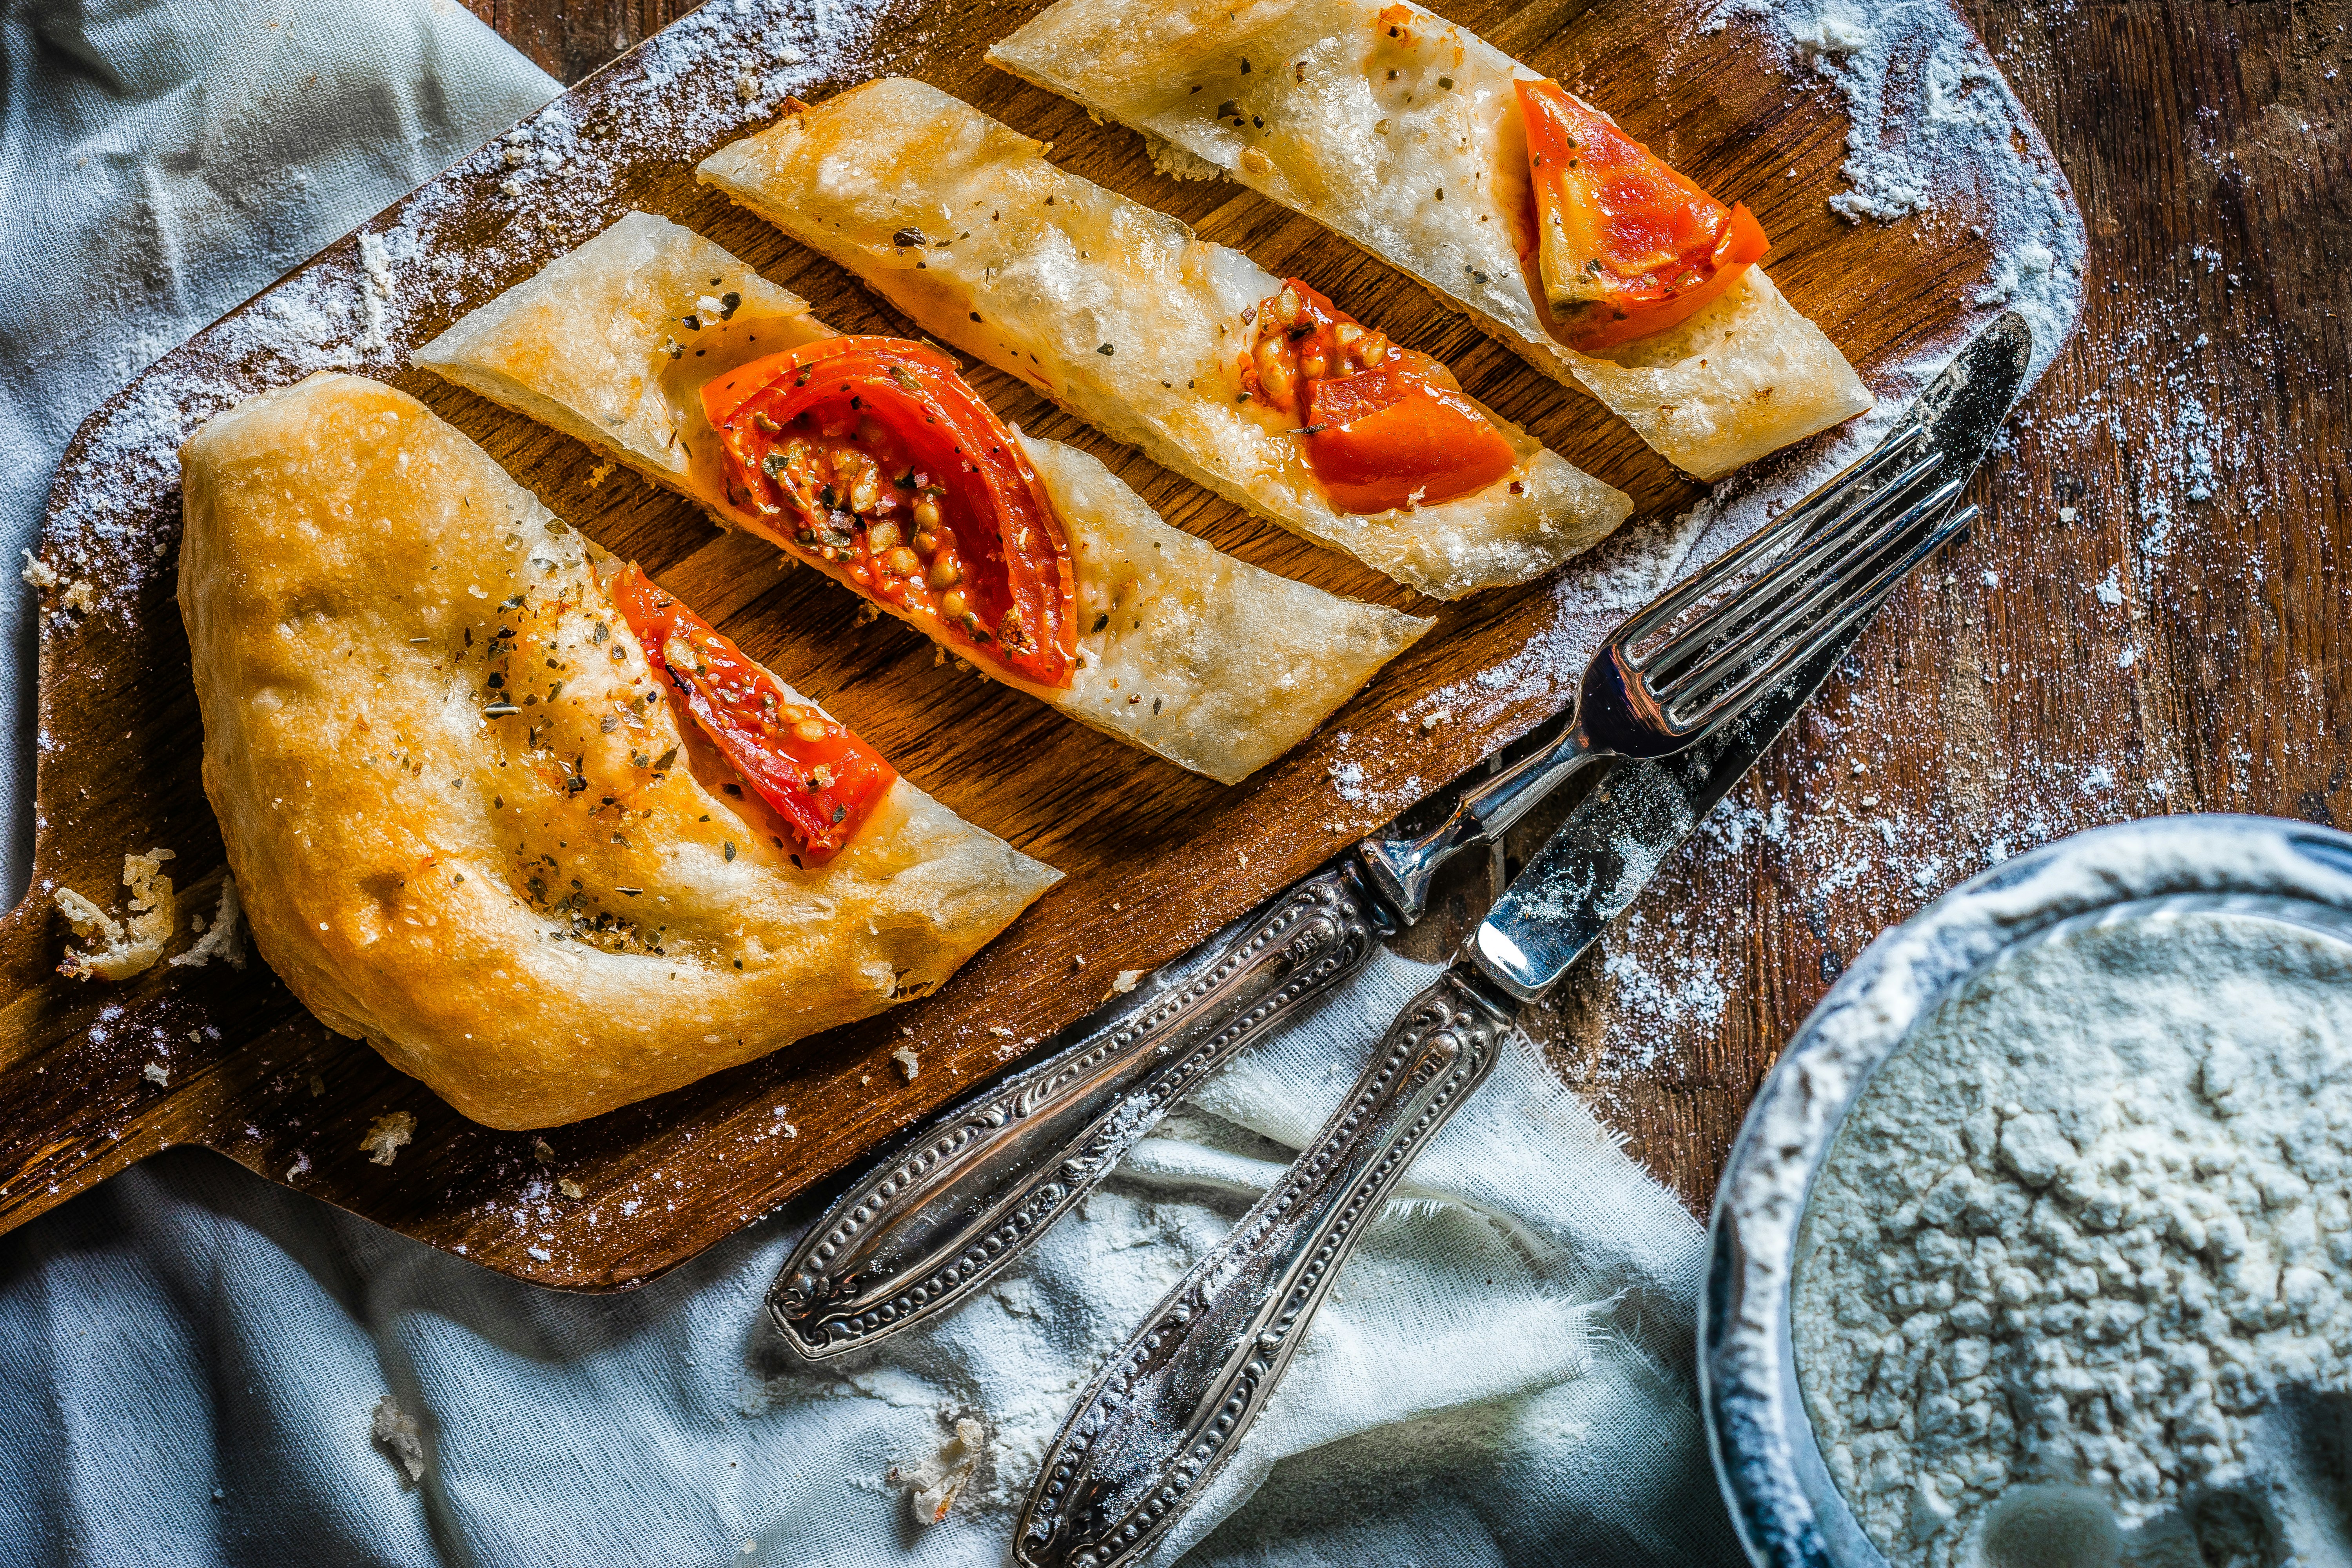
363 308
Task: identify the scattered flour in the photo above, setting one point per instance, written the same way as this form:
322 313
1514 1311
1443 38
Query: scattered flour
363 307
2078 1235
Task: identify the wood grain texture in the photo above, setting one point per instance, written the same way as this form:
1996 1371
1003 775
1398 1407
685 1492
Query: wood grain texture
1155 858
2206 143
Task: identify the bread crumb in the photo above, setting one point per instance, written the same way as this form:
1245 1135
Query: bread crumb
157 1073
569 1188
1432 721
1001 1030
385 1136
907 1062
868 612
37 573
932 1484
396 1429
318 1085
126 951
1178 163
599 474
301 1164
541 1148
80 597
222 939
1126 981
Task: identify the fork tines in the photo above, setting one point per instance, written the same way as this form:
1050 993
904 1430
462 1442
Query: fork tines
1802 581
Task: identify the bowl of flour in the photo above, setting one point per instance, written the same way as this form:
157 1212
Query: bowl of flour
2036 1248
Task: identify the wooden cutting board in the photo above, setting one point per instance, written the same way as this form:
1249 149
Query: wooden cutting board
1155 858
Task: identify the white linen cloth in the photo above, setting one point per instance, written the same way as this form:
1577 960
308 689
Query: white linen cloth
190 1357
161 162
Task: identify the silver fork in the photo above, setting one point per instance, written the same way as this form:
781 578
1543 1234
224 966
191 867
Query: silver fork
1658 685
975 1187
1170 1407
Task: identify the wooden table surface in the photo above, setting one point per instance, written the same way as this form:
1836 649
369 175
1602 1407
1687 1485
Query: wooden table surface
2151 618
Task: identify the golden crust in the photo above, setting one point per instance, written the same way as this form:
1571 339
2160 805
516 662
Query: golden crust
426 877
1219 667
1035 270
1361 128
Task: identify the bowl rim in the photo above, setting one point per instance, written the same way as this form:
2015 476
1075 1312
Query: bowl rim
1787 1510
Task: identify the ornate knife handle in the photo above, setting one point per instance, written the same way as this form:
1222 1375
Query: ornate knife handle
1170 1409
975 1189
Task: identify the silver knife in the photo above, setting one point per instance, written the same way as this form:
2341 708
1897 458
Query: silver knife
953 1203
1171 1405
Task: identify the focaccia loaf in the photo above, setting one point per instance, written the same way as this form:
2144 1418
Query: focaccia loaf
1359 123
436 879
1186 652
1120 314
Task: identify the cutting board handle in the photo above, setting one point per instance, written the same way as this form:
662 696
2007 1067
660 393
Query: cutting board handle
78 1098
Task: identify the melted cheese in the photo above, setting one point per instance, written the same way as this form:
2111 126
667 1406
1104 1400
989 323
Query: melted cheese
1119 313
1412 147
1228 666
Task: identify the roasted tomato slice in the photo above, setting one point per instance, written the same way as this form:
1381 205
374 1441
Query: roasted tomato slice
1388 437
1625 246
874 457
1384 426
822 778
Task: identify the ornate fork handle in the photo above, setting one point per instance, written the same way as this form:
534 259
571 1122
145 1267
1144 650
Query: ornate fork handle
939 1220
1173 1404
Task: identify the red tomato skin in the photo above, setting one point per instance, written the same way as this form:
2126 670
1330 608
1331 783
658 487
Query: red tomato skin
1386 438
1385 431
824 786
915 391
1663 247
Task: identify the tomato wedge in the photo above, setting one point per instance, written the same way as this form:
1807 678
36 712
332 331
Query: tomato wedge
1387 438
1625 246
1384 426
822 778
879 461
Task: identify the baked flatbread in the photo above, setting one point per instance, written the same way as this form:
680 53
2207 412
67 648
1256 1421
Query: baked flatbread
1040 272
1360 128
440 882
1186 652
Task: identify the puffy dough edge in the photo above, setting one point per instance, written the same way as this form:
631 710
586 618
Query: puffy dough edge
1210 717
924 143
967 884
1745 376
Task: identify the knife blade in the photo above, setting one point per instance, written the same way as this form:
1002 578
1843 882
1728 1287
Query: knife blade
1169 1409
